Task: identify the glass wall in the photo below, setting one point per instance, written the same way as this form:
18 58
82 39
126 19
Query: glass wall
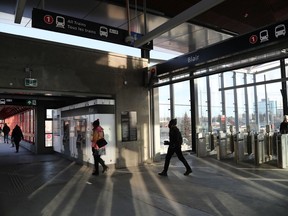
244 99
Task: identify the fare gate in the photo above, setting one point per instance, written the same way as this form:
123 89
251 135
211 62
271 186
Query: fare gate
282 152
244 147
201 149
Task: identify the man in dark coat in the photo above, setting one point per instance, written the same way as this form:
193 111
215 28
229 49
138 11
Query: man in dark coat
284 125
6 130
17 136
175 142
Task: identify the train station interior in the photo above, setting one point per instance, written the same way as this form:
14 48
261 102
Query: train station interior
218 66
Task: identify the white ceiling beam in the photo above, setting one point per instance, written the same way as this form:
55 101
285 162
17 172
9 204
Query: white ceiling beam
20 6
186 15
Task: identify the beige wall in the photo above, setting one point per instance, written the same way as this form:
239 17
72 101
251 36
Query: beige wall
79 71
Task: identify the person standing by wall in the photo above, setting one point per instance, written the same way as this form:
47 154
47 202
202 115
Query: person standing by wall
175 142
17 136
6 130
97 133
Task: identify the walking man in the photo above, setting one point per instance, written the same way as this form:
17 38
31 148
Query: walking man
6 130
175 142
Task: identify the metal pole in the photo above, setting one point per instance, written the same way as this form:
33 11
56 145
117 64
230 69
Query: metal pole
284 87
246 100
194 113
172 109
235 104
223 126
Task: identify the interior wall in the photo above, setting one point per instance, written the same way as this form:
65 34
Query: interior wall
72 70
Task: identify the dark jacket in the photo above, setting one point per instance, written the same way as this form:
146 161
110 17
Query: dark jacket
6 129
17 134
175 137
284 127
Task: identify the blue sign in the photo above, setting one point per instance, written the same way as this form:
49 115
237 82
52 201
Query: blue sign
263 37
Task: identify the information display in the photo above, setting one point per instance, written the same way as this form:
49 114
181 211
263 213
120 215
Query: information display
129 126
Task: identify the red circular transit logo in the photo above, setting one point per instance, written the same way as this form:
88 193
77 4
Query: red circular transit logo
48 19
253 39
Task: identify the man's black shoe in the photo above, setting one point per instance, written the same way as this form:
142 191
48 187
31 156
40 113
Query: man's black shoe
187 172
162 174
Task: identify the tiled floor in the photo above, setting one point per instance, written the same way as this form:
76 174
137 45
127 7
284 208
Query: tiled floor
34 185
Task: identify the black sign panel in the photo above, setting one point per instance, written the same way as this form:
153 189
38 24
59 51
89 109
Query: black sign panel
261 38
69 25
19 102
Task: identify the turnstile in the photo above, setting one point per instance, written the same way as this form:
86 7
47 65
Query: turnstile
282 152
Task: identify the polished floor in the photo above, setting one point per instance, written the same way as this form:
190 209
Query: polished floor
49 185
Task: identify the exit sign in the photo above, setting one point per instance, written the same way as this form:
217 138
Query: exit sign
31 82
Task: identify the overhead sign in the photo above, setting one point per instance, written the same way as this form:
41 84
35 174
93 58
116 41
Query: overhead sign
69 25
261 38
19 102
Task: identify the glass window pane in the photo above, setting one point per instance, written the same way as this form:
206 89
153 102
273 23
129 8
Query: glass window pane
251 109
164 103
230 111
164 116
48 140
228 79
182 112
241 109
49 113
202 105
48 126
216 100
274 105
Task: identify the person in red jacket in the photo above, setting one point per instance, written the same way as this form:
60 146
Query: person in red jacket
97 133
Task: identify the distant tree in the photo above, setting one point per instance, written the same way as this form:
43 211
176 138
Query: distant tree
186 127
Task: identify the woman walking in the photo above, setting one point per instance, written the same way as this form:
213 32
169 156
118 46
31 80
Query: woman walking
97 134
